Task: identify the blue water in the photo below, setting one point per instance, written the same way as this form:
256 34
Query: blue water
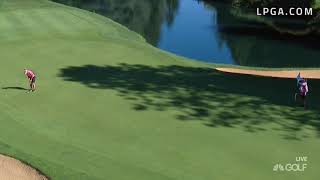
194 34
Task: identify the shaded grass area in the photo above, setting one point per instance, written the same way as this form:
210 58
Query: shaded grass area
205 94
14 88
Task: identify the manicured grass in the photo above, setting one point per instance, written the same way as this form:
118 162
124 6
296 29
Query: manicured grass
110 106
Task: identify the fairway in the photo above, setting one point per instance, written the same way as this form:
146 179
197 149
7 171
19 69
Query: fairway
109 106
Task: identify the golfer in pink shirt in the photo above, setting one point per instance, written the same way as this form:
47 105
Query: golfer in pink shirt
32 79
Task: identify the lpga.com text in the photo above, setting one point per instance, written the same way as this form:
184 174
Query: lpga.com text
284 11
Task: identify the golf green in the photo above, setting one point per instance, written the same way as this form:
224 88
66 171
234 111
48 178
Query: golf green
111 106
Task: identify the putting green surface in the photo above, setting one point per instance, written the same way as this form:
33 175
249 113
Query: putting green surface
110 106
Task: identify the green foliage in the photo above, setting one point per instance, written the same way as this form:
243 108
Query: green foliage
286 4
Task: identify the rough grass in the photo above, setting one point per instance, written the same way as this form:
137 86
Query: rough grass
110 106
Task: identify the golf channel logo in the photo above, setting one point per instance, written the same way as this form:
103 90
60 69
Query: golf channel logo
299 166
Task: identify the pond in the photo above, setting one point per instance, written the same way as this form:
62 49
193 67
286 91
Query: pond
207 31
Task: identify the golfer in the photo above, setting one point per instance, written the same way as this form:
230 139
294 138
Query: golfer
32 79
302 89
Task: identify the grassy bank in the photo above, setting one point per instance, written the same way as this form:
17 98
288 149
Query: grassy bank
110 106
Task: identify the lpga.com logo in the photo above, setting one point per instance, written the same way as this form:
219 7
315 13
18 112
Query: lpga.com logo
300 165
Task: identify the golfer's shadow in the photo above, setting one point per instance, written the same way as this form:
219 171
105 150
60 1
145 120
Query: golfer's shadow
14 88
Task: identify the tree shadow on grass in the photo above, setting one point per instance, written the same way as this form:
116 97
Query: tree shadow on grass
14 88
196 93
